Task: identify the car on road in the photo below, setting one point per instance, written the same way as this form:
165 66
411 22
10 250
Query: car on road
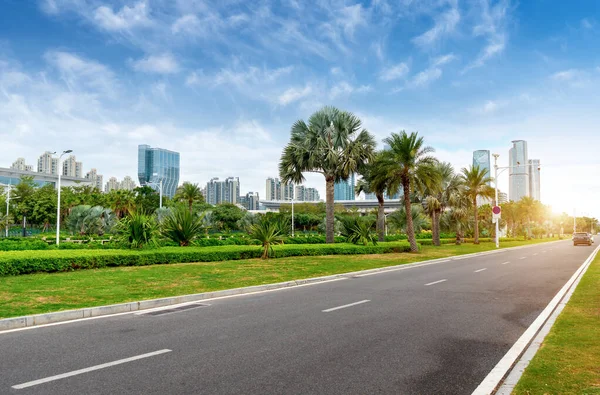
582 238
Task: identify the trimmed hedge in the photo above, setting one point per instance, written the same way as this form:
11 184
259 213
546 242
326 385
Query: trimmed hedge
26 262
22 245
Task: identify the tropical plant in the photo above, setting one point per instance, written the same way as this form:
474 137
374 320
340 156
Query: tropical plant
182 226
189 193
121 201
358 230
375 181
408 165
334 144
267 234
226 215
88 220
476 184
139 229
399 220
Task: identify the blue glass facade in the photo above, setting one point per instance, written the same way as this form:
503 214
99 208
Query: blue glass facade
344 190
156 165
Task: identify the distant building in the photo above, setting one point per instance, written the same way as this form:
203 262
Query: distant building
344 190
71 167
277 190
95 178
311 195
534 179
127 184
20 164
227 191
13 177
47 163
481 159
156 165
252 201
502 197
519 171
111 185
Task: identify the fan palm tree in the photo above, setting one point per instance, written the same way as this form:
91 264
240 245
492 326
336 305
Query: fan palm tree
374 181
189 193
476 184
399 220
407 164
121 202
529 209
332 143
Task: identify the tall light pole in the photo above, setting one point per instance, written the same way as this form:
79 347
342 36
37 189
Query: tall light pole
292 199
59 170
7 207
160 190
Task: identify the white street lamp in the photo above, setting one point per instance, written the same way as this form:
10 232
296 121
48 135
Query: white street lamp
496 168
7 206
59 170
160 189
292 199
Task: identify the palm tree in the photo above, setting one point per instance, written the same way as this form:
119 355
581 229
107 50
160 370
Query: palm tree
334 144
182 226
374 181
121 202
399 220
189 193
529 209
476 183
407 164
267 234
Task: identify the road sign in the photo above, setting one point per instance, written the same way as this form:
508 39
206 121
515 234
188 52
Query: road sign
496 211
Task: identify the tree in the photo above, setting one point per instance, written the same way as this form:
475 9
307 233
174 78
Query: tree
476 184
189 193
44 206
182 226
267 234
146 199
529 210
448 184
334 144
375 181
399 220
88 220
121 202
407 164
227 215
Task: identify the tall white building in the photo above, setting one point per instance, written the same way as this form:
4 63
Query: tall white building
20 164
72 168
95 178
277 190
47 163
304 194
252 200
227 191
519 171
127 184
534 179
111 185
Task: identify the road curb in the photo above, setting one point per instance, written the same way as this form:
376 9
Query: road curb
7 324
505 375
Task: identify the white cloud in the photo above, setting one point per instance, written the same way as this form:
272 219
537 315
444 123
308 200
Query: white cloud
187 24
425 77
239 78
444 59
394 72
125 19
294 94
345 89
492 26
567 75
160 64
350 18
444 25
587 24
335 71
79 73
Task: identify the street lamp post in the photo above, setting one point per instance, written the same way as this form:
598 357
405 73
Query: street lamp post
160 191
7 207
292 199
496 173
59 171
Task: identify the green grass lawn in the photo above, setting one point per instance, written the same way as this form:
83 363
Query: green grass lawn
569 360
47 292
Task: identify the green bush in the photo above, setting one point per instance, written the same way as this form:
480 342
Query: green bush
14 244
26 262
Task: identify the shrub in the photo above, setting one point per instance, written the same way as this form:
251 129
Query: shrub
138 230
26 262
267 233
181 226
22 245
357 230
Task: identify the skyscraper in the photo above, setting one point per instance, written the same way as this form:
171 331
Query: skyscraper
47 163
111 185
227 191
252 200
273 189
519 171
72 168
534 179
95 178
344 190
127 184
481 158
156 165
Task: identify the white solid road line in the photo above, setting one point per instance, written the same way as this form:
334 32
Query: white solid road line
523 257
480 270
504 263
436 282
90 369
346 305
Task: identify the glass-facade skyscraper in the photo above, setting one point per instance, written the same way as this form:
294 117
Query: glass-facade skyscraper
534 179
481 158
519 171
344 190
156 165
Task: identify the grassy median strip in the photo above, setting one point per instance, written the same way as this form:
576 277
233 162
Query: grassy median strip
569 360
47 292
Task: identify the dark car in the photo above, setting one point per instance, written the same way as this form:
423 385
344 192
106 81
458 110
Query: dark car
582 238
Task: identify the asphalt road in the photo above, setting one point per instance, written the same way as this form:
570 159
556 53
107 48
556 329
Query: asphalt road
432 329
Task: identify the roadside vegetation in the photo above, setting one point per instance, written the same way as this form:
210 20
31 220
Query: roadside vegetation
47 292
568 361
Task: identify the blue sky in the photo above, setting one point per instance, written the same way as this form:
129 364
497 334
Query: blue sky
222 81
